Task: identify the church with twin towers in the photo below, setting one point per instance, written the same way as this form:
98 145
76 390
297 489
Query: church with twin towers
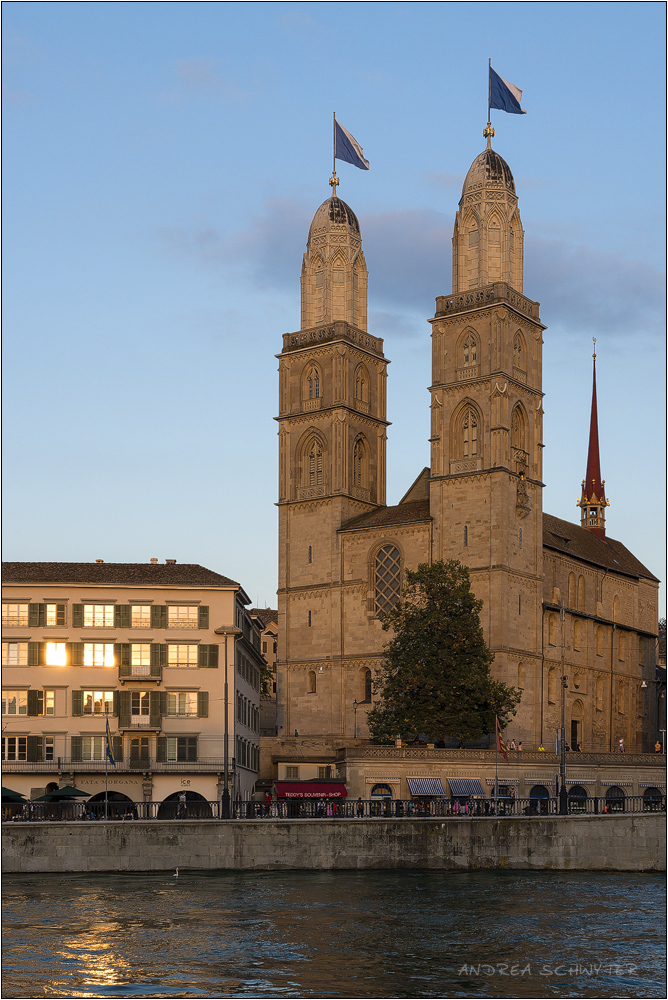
343 551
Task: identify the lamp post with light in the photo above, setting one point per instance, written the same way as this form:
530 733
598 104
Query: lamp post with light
225 631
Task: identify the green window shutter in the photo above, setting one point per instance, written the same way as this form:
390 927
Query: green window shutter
203 616
117 747
158 657
77 702
33 654
76 654
203 704
161 754
35 751
191 754
115 705
207 655
122 616
122 657
164 702
158 616
154 707
124 708
77 616
76 748
35 703
36 615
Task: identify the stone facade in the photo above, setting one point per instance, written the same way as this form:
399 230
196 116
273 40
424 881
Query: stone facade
343 552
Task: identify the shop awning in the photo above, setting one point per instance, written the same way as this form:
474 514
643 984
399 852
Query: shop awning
460 787
425 786
311 790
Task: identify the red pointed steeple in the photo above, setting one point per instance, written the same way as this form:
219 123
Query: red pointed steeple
592 503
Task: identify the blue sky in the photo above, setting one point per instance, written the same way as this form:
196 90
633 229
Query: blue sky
162 163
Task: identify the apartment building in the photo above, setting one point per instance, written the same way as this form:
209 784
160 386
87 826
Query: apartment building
146 648
268 622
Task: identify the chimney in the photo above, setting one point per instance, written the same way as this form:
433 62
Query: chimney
99 561
154 562
170 562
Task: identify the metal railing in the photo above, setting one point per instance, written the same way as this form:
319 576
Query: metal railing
279 809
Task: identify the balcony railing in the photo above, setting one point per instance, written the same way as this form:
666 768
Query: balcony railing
62 764
312 809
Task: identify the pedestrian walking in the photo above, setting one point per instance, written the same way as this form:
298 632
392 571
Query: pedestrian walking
360 809
621 748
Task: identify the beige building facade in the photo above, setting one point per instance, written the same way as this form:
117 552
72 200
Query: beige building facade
546 584
146 648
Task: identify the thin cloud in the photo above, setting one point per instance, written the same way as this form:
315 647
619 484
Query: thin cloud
409 258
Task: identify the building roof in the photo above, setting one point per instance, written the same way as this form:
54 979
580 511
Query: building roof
266 615
580 543
487 168
121 574
402 513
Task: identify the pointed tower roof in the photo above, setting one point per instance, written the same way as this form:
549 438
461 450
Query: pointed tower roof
592 503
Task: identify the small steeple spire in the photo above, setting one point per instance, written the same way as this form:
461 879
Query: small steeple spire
592 503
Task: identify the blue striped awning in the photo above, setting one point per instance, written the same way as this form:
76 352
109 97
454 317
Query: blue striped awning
425 786
460 787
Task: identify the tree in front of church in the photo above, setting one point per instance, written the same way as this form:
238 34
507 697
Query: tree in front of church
435 677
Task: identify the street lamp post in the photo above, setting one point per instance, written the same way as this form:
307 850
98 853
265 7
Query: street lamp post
225 631
563 796
355 710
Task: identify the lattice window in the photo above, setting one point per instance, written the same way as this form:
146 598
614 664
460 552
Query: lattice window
470 434
359 464
315 464
470 351
519 352
313 383
388 577
362 384
517 430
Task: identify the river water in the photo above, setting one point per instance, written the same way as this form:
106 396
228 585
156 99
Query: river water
334 934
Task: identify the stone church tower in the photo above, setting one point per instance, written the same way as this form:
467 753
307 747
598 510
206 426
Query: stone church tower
553 592
331 460
486 440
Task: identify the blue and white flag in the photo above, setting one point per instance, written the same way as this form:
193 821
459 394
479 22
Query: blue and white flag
347 148
108 748
503 95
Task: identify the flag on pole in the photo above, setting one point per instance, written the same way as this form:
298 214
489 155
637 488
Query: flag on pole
108 749
504 96
347 148
500 745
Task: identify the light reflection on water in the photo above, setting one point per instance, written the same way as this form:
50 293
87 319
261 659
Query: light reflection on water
334 934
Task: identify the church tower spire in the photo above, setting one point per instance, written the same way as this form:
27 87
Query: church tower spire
592 503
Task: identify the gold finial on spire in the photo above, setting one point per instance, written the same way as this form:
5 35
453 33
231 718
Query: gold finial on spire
334 180
488 133
594 354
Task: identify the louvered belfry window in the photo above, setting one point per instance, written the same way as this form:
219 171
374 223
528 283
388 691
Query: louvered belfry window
388 577
315 465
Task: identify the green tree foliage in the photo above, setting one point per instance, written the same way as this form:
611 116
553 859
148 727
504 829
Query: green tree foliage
435 677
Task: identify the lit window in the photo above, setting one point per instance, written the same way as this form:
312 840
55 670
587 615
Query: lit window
182 748
49 702
182 703
49 742
14 747
56 614
98 654
98 702
56 654
92 747
15 654
140 658
14 702
182 655
14 614
182 617
99 615
141 615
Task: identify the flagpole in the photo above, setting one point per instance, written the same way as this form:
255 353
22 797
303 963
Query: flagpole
496 765
489 131
334 180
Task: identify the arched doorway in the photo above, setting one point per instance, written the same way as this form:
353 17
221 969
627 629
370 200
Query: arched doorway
119 806
615 799
577 715
539 800
185 805
577 799
652 800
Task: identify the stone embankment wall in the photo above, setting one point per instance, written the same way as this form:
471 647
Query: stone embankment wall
573 843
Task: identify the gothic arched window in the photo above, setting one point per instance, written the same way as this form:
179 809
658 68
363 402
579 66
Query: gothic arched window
312 383
615 609
520 675
387 577
581 593
518 429
360 464
469 351
552 685
311 682
362 384
571 590
577 635
600 640
365 685
553 631
469 427
622 646
519 352
313 462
